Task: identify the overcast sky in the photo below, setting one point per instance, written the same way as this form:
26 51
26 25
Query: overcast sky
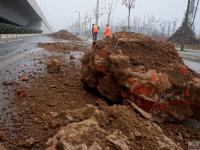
60 13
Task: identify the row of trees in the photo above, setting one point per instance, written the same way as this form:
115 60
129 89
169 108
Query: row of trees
12 29
150 25
107 10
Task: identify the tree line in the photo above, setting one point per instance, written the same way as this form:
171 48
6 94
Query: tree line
150 25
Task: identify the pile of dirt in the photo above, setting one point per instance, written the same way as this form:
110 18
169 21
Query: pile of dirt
64 34
54 66
61 46
110 127
139 70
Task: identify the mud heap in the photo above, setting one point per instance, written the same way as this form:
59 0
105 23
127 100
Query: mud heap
136 69
64 34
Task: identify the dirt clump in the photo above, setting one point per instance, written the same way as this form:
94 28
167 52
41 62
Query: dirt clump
111 127
66 35
147 72
54 66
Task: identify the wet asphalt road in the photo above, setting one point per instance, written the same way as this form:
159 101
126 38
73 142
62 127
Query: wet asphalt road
22 58
17 59
191 58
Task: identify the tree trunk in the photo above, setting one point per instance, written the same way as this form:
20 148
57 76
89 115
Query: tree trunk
109 18
97 13
185 26
129 15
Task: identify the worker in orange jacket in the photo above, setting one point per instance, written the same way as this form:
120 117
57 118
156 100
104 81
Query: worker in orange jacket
95 31
108 31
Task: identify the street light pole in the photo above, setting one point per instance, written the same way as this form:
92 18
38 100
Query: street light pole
79 15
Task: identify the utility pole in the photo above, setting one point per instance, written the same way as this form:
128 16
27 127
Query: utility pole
185 26
97 13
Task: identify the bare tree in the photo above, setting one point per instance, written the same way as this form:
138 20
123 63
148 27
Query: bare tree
111 5
169 29
130 4
174 24
98 12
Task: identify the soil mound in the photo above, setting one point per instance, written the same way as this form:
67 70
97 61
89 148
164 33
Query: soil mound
64 34
131 67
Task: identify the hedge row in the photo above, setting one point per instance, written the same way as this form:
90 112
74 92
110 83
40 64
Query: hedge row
12 29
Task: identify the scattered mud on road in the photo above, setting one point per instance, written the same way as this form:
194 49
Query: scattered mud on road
40 103
40 106
63 46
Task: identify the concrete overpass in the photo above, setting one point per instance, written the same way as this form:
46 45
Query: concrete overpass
24 13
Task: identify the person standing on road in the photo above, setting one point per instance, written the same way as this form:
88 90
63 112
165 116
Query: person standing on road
108 31
95 31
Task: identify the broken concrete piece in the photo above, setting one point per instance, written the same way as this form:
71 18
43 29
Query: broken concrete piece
118 139
110 129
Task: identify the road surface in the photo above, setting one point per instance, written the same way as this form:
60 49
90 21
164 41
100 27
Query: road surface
16 59
192 59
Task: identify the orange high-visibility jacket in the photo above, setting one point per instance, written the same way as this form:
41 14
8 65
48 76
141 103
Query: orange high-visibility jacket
108 31
95 29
